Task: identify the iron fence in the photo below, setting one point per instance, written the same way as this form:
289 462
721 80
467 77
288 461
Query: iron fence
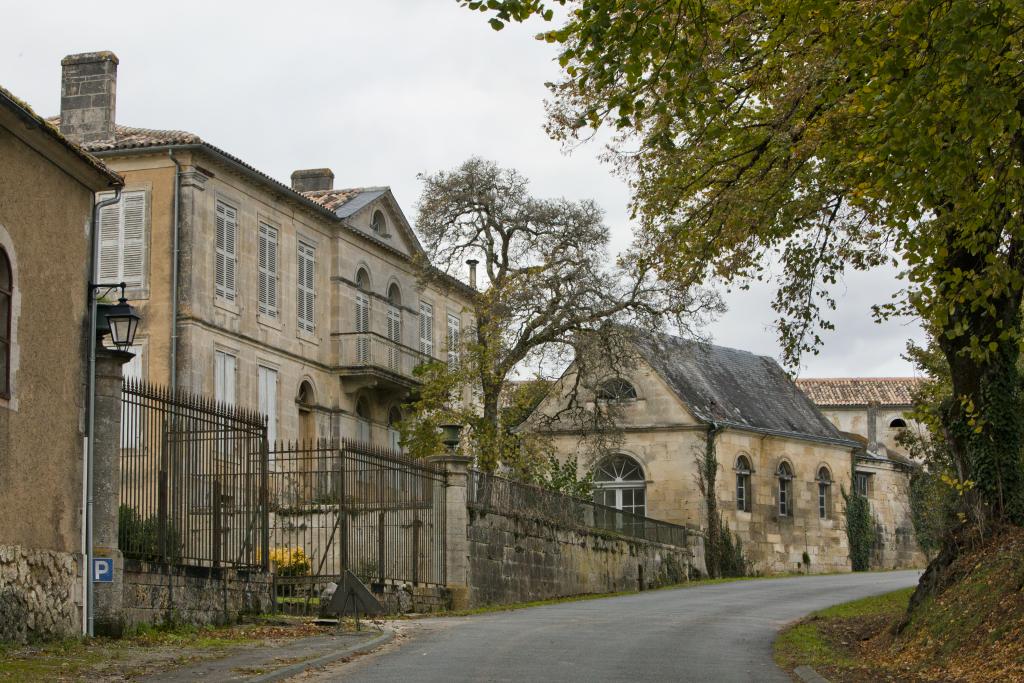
492 493
193 480
348 505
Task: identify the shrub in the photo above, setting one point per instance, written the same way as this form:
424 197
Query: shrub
291 561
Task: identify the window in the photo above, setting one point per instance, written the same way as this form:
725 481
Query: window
394 326
306 281
131 427
362 317
362 421
267 379
379 224
898 423
619 483
6 312
824 493
862 483
224 378
615 390
394 436
743 484
224 270
426 328
785 475
122 240
268 270
453 340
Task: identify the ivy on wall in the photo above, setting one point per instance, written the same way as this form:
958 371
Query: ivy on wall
860 530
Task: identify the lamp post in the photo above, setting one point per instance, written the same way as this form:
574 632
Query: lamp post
120 321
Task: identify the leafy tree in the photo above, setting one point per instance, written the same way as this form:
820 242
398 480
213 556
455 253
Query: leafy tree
551 293
826 135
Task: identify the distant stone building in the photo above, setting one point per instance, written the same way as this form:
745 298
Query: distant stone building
301 301
47 190
782 464
873 411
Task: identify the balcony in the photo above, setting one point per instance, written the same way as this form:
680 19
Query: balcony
368 359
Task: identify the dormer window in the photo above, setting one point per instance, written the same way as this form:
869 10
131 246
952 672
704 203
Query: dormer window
379 224
616 390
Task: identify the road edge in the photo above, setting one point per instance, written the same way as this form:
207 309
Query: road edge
317 662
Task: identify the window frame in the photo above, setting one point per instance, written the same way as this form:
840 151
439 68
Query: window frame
453 336
862 477
118 212
618 485
618 396
743 488
305 286
228 291
426 328
785 476
824 493
268 270
7 325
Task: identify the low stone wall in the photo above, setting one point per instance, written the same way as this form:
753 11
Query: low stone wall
517 559
156 594
40 594
409 599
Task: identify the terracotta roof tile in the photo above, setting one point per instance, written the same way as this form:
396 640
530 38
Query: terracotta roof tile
334 199
859 391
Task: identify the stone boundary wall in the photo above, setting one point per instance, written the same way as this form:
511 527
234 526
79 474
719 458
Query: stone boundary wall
157 594
517 559
40 594
406 598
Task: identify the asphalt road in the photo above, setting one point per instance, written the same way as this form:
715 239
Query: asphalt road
719 632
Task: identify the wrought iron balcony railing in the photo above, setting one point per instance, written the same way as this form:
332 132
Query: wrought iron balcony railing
370 353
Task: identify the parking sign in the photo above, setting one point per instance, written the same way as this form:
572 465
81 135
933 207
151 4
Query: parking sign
102 570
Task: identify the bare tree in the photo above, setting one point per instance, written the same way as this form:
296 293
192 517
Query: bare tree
550 291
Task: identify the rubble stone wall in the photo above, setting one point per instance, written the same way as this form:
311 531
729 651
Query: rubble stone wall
40 594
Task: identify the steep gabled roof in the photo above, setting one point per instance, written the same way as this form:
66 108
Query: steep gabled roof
860 391
736 389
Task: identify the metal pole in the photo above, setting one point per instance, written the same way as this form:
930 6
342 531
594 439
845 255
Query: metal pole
89 594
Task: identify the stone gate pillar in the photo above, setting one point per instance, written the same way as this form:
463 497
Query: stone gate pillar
107 597
456 526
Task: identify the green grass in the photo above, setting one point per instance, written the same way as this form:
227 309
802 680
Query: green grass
805 643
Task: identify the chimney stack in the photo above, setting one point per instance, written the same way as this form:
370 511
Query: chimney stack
472 271
88 93
310 179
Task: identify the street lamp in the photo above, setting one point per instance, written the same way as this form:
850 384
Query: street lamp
121 321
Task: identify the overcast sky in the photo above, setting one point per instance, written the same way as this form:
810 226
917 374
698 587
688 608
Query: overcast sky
378 91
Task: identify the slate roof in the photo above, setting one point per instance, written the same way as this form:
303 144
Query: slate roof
860 391
736 389
21 108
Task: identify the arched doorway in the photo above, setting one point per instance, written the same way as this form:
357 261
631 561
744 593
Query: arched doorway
619 483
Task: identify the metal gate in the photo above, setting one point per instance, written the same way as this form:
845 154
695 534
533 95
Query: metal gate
193 480
349 505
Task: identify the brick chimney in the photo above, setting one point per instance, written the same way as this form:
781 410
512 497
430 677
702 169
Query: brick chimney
88 92
309 179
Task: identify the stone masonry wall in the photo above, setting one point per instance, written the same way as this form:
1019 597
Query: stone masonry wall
514 559
39 594
156 594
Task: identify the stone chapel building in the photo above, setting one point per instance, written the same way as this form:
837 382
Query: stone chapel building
782 464
301 301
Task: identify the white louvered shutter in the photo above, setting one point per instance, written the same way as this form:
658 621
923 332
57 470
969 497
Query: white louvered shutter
453 340
133 238
224 270
224 378
306 279
395 335
362 327
108 266
426 328
268 270
267 380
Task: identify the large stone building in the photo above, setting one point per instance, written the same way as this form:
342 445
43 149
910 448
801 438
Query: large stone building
782 464
301 301
47 190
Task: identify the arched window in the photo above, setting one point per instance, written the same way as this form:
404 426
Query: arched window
619 483
785 476
743 483
6 304
898 423
362 318
379 224
824 493
394 326
616 389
